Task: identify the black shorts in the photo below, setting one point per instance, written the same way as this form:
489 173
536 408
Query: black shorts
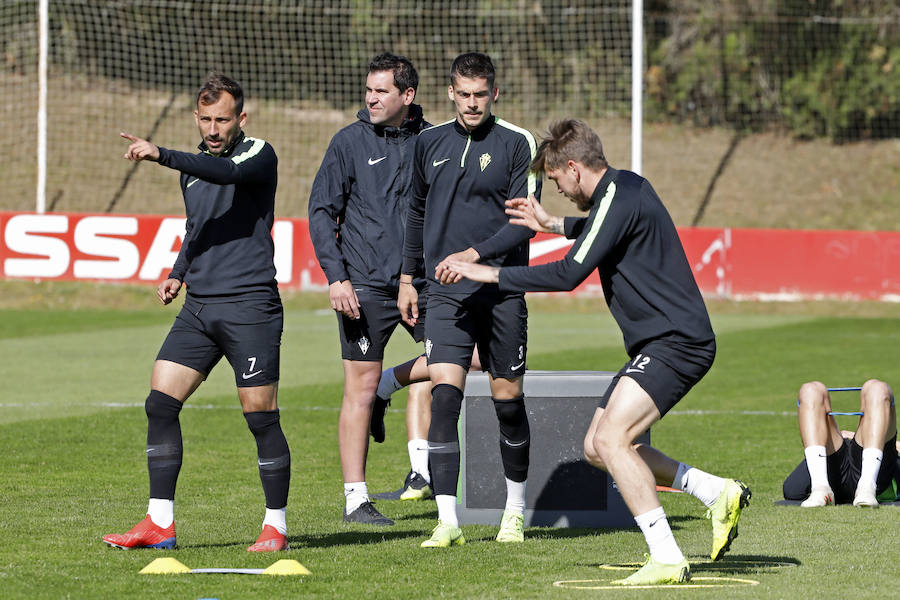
845 466
246 332
496 322
666 370
365 338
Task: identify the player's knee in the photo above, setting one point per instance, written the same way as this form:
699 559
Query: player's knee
812 394
513 418
358 398
446 402
590 453
877 389
875 395
161 406
360 382
261 421
506 389
515 437
420 393
446 399
602 448
265 425
608 441
593 452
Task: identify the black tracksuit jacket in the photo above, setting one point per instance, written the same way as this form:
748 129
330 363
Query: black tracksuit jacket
629 237
229 201
461 181
359 202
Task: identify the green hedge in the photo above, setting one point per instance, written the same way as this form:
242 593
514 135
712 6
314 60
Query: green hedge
823 68
850 93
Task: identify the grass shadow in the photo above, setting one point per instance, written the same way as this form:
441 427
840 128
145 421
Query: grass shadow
576 532
356 537
744 564
430 514
740 564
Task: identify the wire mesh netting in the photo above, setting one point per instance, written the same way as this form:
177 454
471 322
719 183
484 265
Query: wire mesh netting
822 69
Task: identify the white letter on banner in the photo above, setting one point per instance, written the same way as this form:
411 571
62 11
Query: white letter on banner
20 238
90 239
283 238
161 257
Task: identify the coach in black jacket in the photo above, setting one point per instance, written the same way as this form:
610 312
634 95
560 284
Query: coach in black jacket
357 215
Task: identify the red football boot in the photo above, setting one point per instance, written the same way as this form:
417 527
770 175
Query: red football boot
269 541
145 534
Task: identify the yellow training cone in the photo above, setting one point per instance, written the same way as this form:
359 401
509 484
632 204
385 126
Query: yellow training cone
165 566
287 566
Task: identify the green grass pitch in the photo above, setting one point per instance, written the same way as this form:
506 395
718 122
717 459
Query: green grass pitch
72 431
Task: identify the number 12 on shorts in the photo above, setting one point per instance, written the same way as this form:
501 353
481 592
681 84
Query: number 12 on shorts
638 365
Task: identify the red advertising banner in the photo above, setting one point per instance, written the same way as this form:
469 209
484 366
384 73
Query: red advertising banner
129 248
728 263
776 264
781 264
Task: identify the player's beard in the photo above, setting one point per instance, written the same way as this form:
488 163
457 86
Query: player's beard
582 201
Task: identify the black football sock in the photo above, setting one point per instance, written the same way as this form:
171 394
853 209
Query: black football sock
273 454
443 438
164 449
515 437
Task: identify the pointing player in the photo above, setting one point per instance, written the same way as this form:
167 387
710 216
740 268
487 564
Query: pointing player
463 172
630 239
232 309
357 212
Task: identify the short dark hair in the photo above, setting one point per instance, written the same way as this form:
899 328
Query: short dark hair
566 140
405 75
473 65
215 84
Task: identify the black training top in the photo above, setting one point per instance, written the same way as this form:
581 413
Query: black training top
629 237
359 201
461 181
229 201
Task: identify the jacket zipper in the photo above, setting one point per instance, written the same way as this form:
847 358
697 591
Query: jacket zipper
462 160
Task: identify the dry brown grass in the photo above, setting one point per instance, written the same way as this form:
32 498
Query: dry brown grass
770 181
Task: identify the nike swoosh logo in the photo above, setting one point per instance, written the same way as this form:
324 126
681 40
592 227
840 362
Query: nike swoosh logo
437 163
190 183
518 366
253 374
634 370
377 160
515 444
264 464
436 447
